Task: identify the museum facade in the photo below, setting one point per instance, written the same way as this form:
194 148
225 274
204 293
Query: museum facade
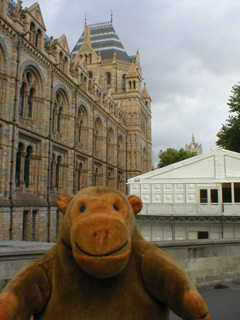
68 120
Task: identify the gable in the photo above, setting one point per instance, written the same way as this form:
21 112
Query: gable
36 14
86 48
62 41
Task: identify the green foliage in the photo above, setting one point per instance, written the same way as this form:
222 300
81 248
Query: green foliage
229 134
171 156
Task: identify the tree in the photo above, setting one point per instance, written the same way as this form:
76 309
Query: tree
229 134
171 156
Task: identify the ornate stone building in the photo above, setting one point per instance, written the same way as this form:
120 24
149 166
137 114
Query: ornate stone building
194 147
67 120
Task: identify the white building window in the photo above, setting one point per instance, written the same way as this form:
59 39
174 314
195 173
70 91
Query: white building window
203 196
214 195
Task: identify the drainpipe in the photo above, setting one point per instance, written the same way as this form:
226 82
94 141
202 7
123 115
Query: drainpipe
117 160
126 163
74 143
106 182
173 227
222 220
49 157
13 140
93 146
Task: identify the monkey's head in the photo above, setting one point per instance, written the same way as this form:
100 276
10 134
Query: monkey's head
99 225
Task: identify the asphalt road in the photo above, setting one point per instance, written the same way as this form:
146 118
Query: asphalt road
223 304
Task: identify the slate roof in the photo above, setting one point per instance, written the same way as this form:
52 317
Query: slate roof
105 40
11 6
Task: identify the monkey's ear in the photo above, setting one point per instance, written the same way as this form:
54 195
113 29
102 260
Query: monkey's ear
136 203
63 202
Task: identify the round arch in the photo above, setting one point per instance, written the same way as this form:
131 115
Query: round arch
61 88
82 107
36 70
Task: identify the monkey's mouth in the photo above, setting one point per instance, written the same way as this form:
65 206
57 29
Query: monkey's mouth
101 255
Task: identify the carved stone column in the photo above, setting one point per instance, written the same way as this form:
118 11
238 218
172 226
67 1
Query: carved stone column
53 185
26 93
22 184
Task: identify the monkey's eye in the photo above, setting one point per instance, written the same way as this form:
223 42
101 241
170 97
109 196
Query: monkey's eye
115 207
82 208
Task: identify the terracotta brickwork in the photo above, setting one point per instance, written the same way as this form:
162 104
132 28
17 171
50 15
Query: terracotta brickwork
67 121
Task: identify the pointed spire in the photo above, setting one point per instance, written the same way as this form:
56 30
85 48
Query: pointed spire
145 94
137 60
193 140
87 34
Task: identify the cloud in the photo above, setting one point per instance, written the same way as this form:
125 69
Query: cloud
189 53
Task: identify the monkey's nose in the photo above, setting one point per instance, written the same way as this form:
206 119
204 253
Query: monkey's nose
101 237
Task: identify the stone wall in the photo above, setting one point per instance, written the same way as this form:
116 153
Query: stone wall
207 262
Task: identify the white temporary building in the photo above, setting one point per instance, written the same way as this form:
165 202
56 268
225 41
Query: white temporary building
193 199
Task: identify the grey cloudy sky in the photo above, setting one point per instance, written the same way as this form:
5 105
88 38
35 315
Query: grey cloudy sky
189 54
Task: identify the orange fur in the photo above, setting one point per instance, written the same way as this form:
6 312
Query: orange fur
101 268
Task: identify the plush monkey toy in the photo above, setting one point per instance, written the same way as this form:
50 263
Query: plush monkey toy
101 268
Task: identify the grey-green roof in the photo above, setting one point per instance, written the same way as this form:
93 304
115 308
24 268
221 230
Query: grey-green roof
105 40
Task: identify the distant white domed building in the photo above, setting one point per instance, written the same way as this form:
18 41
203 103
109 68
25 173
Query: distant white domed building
194 147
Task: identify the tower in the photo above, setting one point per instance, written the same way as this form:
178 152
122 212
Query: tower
120 77
194 147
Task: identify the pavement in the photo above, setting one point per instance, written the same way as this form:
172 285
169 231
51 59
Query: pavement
223 304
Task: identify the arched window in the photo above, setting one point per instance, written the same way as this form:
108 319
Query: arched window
3 80
110 146
79 175
60 107
95 176
80 130
31 88
123 82
21 99
65 64
108 77
130 84
52 172
134 84
27 166
59 119
38 38
90 74
61 61
53 118
30 102
32 32
58 172
98 137
120 152
18 165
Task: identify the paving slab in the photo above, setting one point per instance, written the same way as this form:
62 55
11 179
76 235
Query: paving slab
223 303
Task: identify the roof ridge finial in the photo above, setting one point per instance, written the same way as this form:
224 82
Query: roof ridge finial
111 16
85 20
